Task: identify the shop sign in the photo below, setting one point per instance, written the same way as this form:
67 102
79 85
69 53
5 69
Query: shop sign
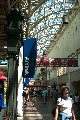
31 82
38 83
61 71
56 62
44 82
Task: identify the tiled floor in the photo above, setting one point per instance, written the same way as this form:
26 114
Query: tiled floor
40 111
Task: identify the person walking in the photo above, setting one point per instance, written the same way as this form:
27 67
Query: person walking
55 95
24 95
27 95
44 94
76 99
34 95
64 109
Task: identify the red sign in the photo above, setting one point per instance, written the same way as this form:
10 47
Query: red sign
56 62
44 82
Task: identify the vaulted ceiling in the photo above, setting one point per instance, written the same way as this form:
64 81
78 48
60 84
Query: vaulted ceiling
42 20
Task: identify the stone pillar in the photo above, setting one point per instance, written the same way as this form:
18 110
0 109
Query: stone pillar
10 87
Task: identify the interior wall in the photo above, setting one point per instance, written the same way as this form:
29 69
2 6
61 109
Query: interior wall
69 41
75 87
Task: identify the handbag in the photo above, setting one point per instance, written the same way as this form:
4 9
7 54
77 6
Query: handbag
53 112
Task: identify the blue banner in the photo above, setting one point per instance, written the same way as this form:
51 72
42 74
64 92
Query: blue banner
29 57
26 81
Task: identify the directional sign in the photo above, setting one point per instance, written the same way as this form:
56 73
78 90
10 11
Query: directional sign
56 62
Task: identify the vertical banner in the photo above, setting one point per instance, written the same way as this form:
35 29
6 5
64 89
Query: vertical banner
26 81
29 57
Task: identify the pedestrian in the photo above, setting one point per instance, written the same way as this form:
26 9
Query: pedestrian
55 95
44 94
76 99
27 95
64 108
24 95
34 95
79 103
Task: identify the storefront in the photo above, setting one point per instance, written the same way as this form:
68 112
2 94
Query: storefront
3 87
62 80
62 77
75 81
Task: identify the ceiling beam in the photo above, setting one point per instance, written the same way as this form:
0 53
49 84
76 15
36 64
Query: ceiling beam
7 6
1 35
2 17
35 8
14 3
29 4
2 21
37 22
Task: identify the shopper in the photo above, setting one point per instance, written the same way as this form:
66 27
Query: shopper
24 95
64 108
79 104
55 95
76 99
44 95
34 95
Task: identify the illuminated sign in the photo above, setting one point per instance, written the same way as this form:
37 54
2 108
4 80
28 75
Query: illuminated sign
31 82
56 62
61 71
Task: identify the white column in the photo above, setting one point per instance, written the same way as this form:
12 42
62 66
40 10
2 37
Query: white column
20 85
69 80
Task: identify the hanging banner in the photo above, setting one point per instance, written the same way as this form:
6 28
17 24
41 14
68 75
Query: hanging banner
29 57
26 81
56 62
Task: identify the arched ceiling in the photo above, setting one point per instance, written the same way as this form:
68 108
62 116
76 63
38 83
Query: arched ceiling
42 20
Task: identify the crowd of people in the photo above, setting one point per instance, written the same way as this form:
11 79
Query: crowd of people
33 93
65 103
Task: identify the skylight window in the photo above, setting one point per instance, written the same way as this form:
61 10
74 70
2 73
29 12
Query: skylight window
46 20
